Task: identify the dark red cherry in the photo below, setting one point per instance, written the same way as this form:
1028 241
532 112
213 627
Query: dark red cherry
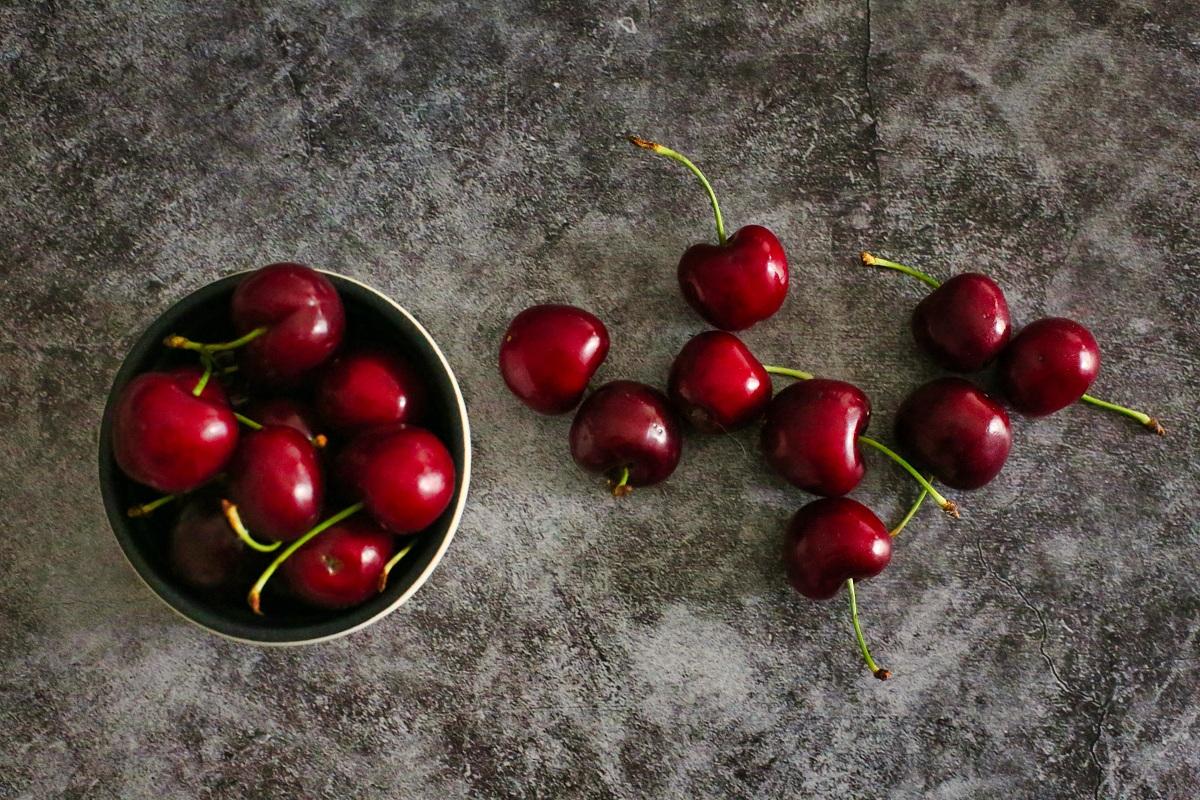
717 384
629 432
738 283
1048 366
165 437
549 355
204 553
303 317
341 566
370 387
276 482
963 324
284 411
811 435
832 540
951 428
404 476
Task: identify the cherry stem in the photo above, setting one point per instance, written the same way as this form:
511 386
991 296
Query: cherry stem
203 382
655 147
1146 420
235 522
875 261
622 487
146 509
791 373
912 512
949 506
876 670
249 423
181 343
387 568
253 598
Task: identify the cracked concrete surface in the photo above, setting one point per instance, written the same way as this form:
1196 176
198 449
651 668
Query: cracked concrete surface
468 159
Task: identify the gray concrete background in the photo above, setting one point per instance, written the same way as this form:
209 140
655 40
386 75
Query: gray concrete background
468 160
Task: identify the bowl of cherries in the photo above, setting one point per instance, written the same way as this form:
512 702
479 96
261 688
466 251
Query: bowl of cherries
285 455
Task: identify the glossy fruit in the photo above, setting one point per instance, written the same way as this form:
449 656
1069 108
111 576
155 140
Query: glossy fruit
738 283
953 429
404 475
276 482
717 384
549 355
627 425
303 315
831 540
811 435
284 411
1048 366
370 387
341 566
204 553
168 439
964 323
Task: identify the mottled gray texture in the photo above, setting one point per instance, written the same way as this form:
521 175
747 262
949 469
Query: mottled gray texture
469 161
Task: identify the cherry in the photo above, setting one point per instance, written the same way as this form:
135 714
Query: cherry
370 387
628 431
203 552
342 567
1048 366
952 429
276 482
170 437
739 281
717 384
549 355
287 412
404 476
811 435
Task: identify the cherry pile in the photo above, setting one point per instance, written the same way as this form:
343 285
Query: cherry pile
812 431
246 494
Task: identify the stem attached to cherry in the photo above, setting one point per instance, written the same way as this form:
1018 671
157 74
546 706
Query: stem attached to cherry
622 487
387 568
1146 420
875 261
178 342
205 377
146 509
949 506
249 423
655 147
254 596
235 522
876 670
912 512
791 373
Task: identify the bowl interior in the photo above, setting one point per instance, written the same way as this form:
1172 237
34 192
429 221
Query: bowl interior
203 315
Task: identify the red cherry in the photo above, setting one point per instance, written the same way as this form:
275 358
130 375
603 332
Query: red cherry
1049 365
169 439
342 566
964 323
811 435
404 476
549 355
628 431
368 388
717 384
203 552
832 540
951 428
275 480
286 412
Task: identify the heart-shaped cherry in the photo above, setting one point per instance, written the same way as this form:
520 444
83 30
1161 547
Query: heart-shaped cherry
342 567
203 552
629 432
549 355
811 435
717 384
1048 366
739 281
370 387
167 437
953 429
276 483
404 476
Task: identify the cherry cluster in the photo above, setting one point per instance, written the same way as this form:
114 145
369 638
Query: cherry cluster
253 501
813 430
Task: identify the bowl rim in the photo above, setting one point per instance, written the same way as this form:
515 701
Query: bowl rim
451 528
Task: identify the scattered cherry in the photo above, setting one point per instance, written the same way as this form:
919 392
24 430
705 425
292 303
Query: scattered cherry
370 387
342 567
549 355
1048 366
629 432
717 384
275 481
811 435
953 429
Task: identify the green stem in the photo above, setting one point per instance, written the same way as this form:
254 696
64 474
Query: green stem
1146 420
876 670
791 373
912 512
181 343
622 487
387 568
235 521
946 505
254 596
655 147
875 261
146 509
249 423
203 382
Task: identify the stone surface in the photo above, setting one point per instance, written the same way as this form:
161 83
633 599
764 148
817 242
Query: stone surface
468 159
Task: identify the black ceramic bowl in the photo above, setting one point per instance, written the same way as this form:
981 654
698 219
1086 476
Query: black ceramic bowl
204 316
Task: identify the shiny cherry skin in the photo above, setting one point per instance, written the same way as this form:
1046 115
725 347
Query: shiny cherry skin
370 387
717 384
627 425
1048 366
736 284
203 551
549 355
276 482
304 317
953 429
403 474
284 411
168 439
340 567
963 324
811 435
831 540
